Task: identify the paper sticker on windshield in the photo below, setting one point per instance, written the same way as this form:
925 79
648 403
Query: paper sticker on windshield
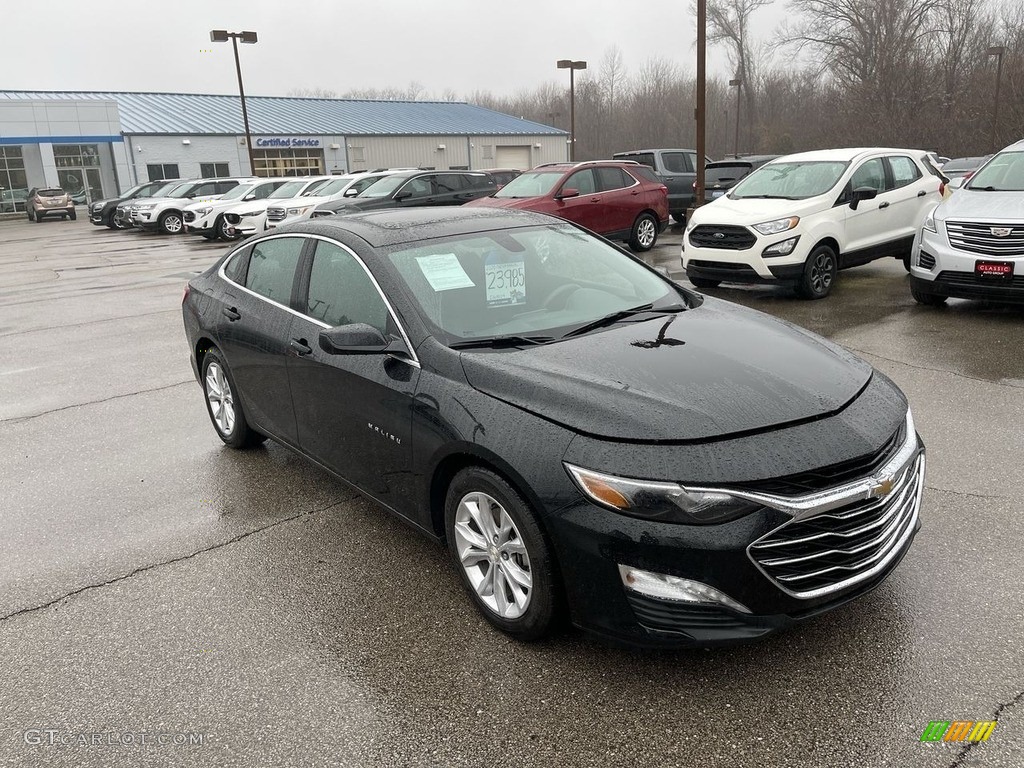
506 283
444 272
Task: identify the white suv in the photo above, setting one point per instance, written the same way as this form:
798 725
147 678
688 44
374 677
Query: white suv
206 217
250 218
801 218
165 213
349 185
972 245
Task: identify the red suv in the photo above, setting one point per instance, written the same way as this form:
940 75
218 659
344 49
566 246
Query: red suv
622 201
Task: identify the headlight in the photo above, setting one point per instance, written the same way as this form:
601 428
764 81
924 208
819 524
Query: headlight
777 226
255 212
298 211
664 502
929 221
148 207
200 212
783 248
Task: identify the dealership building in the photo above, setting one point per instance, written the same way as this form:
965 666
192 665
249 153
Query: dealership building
96 144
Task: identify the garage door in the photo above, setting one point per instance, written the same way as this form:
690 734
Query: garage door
512 157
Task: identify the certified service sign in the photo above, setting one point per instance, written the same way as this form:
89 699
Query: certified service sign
285 142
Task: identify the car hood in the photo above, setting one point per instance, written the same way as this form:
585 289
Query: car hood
725 210
525 203
987 206
708 372
297 202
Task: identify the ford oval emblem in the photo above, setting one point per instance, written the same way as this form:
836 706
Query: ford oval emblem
720 235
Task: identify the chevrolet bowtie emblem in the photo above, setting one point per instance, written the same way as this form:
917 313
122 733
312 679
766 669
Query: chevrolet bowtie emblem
883 488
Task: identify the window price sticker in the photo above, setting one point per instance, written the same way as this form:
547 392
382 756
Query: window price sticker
444 272
506 283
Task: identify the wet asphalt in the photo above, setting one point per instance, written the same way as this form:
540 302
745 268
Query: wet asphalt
153 582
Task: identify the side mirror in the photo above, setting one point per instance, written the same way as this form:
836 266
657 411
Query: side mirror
956 183
862 193
351 192
250 196
567 192
405 194
359 339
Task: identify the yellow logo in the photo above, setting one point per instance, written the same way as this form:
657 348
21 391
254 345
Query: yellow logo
883 488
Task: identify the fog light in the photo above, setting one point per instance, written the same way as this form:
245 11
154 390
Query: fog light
781 249
667 587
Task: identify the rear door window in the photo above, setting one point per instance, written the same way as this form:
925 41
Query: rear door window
676 162
272 266
644 158
612 178
904 171
448 183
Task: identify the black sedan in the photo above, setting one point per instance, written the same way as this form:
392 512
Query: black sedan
589 439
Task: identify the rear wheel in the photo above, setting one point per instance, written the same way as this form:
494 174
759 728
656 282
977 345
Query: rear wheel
501 554
906 262
72 215
645 233
928 299
224 406
819 274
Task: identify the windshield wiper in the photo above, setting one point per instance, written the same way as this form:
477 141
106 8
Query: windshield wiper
622 314
989 188
766 197
496 342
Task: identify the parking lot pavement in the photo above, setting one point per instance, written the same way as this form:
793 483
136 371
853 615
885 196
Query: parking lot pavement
153 582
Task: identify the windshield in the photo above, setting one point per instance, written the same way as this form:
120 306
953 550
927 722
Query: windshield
1003 173
166 189
334 186
285 191
236 192
384 187
532 184
313 189
532 280
791 180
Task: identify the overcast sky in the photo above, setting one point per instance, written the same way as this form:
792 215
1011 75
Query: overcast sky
462 45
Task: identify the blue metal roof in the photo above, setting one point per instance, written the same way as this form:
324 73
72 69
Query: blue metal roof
187 113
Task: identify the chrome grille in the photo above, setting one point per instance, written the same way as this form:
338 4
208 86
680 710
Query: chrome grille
838 548
276 214
978 237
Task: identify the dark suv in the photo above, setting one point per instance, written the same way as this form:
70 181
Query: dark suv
622 201
49 201
102 212
414 188
722 175
677 170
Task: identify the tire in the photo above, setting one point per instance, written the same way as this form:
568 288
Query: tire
493 556
703 284
38 217
927 299
644 234
171 223
906 262
73 215
679 218
220 227
224 406
113 222
819 274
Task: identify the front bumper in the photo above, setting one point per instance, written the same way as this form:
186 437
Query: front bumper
783 565
200 225
937 268
746 264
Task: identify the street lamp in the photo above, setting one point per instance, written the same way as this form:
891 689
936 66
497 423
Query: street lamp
997 51
698 111
222 36
572 66
738 83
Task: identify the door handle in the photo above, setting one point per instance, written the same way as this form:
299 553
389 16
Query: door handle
300 347
634 194
595 199
921 193
883 205
231 313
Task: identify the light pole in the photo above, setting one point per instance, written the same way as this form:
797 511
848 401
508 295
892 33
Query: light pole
222 36
997 51
698 112
738 83
572 66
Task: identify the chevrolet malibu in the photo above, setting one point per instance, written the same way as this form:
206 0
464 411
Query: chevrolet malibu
589 440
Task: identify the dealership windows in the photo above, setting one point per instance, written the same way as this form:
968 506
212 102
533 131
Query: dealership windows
161 171
13 182
214 170
288 162
78 171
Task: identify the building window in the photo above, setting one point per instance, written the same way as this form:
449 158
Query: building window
488 150
161 171
13 183
357 154
213 170
76 155
288 162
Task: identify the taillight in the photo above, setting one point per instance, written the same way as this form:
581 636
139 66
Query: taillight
942 189
968 175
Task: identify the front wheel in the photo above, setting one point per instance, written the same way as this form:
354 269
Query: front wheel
645 233
906 261
171 222
501 554
72 215
928 299
113 222
221 228
223 405
819 274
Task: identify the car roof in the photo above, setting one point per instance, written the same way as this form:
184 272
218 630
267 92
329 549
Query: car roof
659 149
749 159
848 154
404 225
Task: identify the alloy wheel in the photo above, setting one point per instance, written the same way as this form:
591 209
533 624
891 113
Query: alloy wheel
646 232
493 555
222 403
821 272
